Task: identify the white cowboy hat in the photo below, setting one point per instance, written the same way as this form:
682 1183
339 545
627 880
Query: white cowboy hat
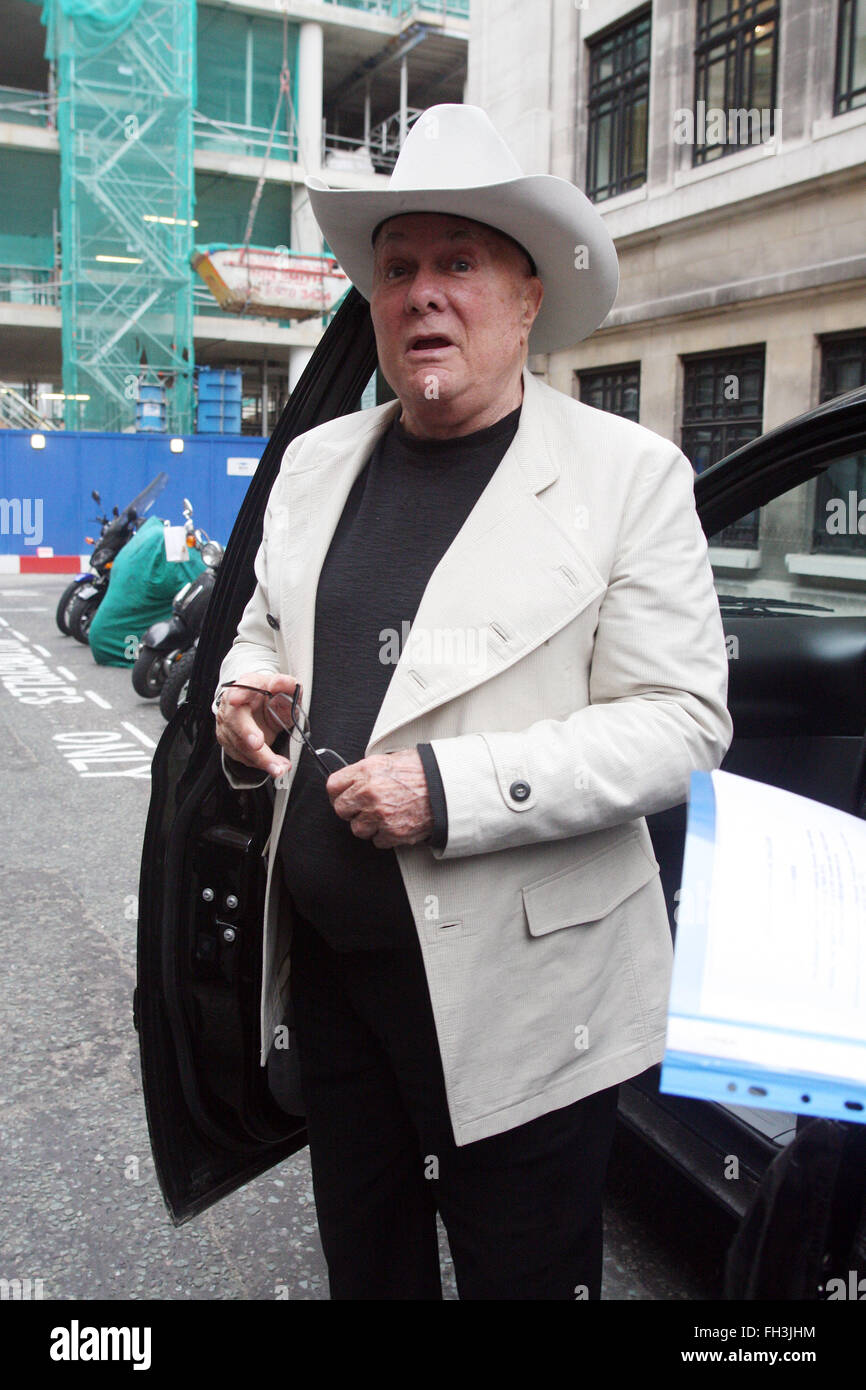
454 161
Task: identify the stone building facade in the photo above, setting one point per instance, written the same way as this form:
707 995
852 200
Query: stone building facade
742 299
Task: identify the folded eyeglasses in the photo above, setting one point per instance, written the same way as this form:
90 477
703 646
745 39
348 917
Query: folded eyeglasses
289 714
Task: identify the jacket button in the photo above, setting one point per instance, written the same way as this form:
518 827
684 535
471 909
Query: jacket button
519 791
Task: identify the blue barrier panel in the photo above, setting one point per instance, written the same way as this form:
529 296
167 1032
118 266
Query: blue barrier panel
45 493
216 384
219 401
218 417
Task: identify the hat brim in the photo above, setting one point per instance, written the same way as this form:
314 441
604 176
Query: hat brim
550 217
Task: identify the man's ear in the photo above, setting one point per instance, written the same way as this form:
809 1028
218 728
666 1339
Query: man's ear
533 294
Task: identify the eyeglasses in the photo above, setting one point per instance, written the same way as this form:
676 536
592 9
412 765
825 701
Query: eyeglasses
287 711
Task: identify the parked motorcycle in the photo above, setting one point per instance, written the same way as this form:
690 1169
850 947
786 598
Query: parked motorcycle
176 688
166 644
80 579
82 597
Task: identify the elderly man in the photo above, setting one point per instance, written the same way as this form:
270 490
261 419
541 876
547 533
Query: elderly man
506 601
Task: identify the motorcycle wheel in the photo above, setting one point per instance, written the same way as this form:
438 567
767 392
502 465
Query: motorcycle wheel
65 599
80 615
174 692
148 673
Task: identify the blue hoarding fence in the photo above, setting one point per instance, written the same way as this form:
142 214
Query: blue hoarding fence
46 509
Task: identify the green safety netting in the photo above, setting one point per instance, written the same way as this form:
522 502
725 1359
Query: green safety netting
126 89
239 57
143 584
96 22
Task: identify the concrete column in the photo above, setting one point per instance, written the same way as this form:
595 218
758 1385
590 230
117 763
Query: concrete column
310 50
367 115
265 396
248 76
404 99
306 236
298 359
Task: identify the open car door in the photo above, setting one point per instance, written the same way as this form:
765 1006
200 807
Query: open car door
213 1112
797 697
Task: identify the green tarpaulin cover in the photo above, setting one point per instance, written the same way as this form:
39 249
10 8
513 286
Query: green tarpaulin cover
142 586
97 23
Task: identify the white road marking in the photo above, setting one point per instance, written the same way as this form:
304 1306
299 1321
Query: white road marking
19 635
43 651
3 622
66 673
13 593
97 699
28 677
13 608
143 738
89 750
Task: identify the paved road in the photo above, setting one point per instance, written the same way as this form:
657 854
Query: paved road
81 1207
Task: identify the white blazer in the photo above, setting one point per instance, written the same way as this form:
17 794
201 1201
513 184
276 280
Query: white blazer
567 662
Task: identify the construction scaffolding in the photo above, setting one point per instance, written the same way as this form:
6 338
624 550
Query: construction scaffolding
16 412
126 91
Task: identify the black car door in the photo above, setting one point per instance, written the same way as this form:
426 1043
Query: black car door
796 666
214 1114
797 697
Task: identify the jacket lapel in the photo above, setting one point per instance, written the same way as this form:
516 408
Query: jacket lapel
512 576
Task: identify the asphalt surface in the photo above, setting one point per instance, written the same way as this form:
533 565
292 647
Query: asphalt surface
82 1210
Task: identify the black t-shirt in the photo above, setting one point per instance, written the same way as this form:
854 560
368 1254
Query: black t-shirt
403 511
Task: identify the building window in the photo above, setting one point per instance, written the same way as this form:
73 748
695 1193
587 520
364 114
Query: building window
616 389
850 57
723 407
619 67
735 76
840 492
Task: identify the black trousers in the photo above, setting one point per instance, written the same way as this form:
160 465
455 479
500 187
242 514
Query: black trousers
522 1209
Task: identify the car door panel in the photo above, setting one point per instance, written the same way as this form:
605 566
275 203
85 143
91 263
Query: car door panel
797 697
216 1117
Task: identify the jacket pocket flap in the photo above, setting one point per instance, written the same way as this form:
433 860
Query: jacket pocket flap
589 891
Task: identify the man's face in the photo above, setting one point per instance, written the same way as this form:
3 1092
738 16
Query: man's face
452 305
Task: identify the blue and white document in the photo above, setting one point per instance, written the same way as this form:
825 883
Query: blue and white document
768 1001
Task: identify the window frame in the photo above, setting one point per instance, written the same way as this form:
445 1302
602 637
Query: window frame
613 380
846 33
745 532
822 541
623 92
740 55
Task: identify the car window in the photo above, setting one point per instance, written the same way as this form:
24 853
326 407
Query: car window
803 552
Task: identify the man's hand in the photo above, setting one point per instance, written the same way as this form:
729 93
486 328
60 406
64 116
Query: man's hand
243 726
385 798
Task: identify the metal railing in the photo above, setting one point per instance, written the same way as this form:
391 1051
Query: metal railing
24 107
381 152
348 153
16 412
458 9
29 284
378 156
231 138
